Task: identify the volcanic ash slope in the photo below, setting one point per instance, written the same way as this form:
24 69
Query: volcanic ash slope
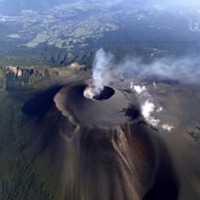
99 148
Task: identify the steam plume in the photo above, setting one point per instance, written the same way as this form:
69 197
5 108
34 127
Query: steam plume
101 67
105 70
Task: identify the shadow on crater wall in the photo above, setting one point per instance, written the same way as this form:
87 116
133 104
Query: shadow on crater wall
166 184
41 102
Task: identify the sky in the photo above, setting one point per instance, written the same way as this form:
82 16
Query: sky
16 5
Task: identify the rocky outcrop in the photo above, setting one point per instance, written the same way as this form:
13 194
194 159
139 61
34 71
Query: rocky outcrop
16 77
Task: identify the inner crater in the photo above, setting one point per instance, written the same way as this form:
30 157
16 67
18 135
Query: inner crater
104 94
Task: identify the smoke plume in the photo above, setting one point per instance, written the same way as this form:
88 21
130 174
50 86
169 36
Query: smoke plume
105 69
101 69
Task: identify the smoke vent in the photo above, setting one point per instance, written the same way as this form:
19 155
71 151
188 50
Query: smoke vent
105 93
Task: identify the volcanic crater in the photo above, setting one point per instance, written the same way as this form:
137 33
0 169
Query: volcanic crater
105 109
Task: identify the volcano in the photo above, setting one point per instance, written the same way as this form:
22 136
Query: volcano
99 146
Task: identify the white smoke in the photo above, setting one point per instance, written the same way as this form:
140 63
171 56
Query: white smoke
101 67
154 85
147 106
105 71
185 69
139 89
167 127
148 109
160 109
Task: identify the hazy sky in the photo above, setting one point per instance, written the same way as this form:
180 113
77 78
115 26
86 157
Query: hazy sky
32 3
